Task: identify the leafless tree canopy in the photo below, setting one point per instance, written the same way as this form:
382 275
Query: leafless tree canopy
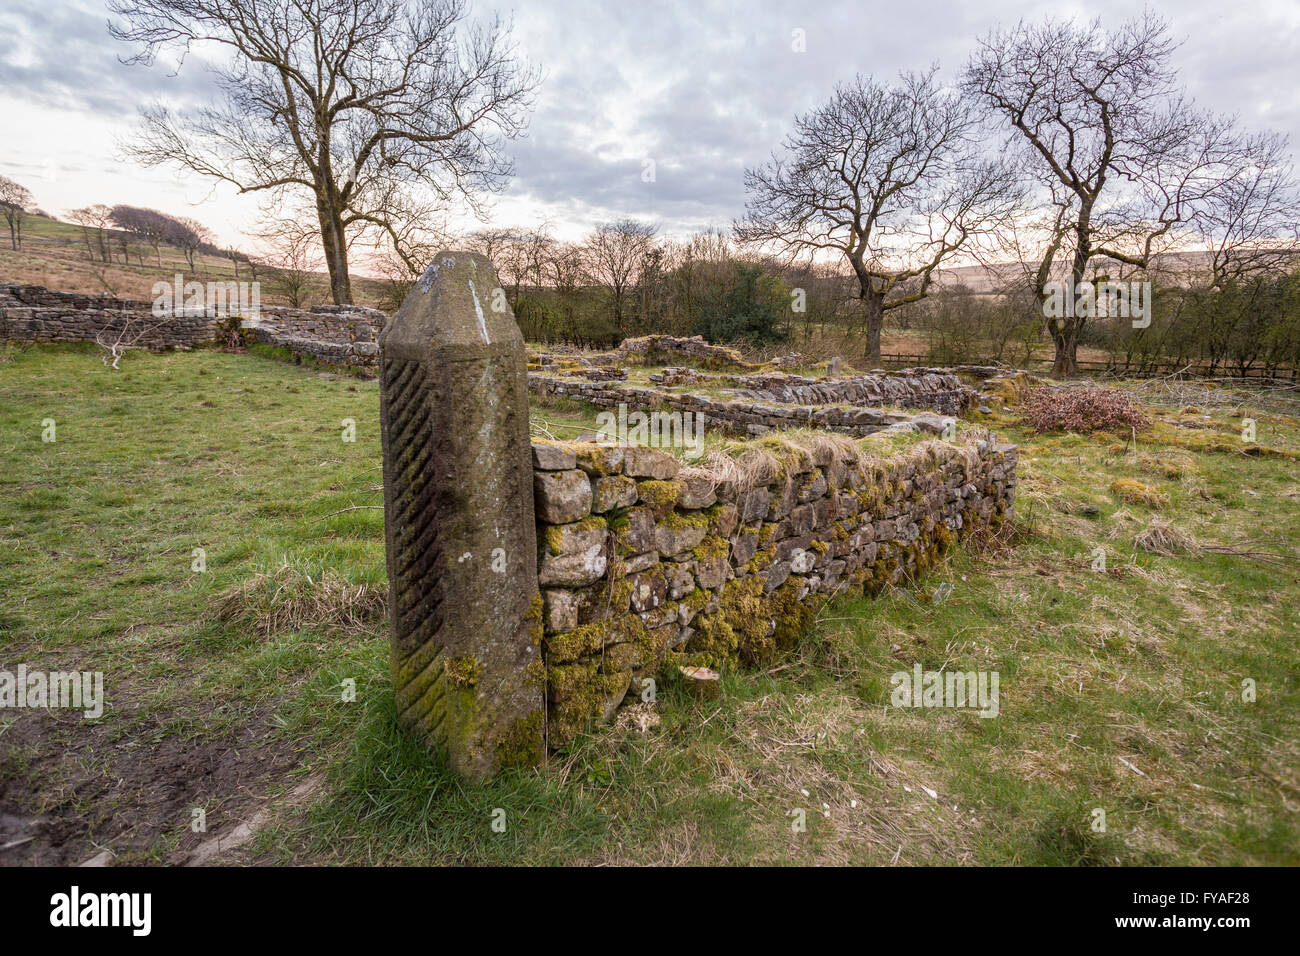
378 111
1126 163
94 222
1251 226
149 226
615 254
890 178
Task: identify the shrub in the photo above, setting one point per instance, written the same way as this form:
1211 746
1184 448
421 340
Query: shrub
750 309
1081 409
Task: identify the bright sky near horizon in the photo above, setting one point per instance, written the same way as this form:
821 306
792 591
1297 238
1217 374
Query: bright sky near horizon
703 88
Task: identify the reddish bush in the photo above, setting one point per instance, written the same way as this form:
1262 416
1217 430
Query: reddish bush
1081 409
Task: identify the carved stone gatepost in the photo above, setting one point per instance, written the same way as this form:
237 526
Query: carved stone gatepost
464 608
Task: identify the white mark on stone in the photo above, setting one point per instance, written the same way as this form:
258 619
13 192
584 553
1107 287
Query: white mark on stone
478 309
426 279
464 557
594 560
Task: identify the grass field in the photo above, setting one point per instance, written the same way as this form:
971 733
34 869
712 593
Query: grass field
1121 690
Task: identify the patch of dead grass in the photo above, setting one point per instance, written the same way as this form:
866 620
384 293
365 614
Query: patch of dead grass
290 599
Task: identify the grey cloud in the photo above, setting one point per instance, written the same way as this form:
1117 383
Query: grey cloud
61 55
703 87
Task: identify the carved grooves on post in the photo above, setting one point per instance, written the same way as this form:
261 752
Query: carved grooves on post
418 515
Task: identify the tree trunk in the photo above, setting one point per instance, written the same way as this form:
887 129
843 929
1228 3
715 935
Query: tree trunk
1066 340
334 242
1065 335
875 303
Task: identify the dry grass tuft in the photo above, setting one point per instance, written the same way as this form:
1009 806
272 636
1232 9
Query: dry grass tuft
290 599
1138 493
1160 537
1173 466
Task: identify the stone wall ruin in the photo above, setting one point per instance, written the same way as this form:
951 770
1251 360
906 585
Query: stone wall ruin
643 564
536 584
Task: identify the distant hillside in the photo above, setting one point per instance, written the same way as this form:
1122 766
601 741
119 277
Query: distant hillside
54 254
987 279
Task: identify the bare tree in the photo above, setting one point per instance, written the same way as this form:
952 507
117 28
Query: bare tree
118 338
189 236
293 258
566 268
376 110
394 270
701 264
235 257
566 273
538 244
890 178
1251 226
1126 163
149 226
518 254
14 200
94 222
615 253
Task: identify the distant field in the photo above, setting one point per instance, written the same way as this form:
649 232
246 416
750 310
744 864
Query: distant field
1121 691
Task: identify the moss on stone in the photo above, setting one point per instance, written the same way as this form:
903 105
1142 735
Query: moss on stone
659 496
562 680
590 523
536 620
553 536
711 548
744 609
677 520
589 638
462 671
696 600
714 642
761 561
793 615
571 716
521 745
620 593
599 459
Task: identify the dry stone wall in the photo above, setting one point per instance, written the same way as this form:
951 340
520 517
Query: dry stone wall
642 564
36 314
647 350
756 410
939 389
336 335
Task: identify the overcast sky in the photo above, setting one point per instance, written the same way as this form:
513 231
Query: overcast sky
702 88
